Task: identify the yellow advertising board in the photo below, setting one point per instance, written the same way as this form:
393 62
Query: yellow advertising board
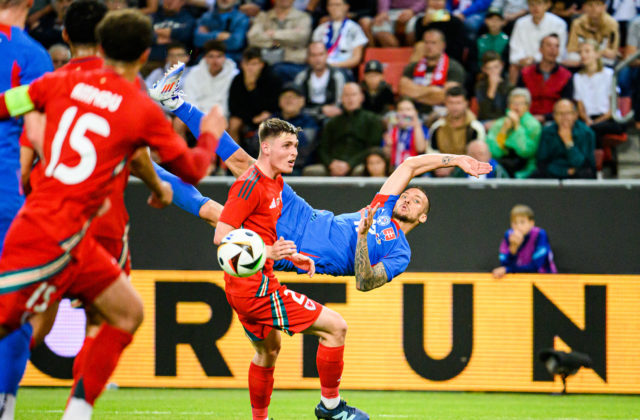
435 331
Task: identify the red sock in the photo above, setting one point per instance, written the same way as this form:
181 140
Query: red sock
260 389
100 361
330 364
80 357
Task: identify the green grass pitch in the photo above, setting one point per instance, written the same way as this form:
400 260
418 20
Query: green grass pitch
48 403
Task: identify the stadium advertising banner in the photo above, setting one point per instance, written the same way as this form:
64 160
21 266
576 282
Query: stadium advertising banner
420 332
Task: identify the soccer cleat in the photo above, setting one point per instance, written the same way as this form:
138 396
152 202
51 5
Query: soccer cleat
341 412
166 90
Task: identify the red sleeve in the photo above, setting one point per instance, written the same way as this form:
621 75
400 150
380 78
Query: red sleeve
43 88
4 112
157 132
241 202
24 140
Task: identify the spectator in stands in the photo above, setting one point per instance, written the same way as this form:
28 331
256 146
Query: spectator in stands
566 145
209 82
283 34
291 104
513 139
60 55
592 93
598 25
529 31
491 89
48 30
566 9
438 17
494 39
347 137
342 37
253 97
176 52
406 135
425 81
547 80
394 14
451 133
472 13
251 8
632 72
321 84
479 150
225 23
512 10
378 96
363 12
623 11
525 247
171 23
376 163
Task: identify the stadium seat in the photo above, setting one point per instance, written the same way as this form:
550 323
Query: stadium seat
393 61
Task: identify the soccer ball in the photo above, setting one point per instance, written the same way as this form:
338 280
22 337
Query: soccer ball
242 253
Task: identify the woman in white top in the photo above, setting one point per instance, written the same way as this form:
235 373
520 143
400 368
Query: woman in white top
592 92
343 38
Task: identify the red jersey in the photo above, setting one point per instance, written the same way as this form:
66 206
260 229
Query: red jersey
113 223
95 120
255 203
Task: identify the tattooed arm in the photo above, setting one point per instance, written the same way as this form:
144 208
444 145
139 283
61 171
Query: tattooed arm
367 277
418 165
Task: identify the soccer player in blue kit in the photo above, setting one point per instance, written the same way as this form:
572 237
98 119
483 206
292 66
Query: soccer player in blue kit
369 244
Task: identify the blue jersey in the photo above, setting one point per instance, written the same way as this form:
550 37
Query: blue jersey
330 240
22 61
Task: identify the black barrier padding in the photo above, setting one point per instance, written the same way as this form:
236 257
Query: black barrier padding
591 229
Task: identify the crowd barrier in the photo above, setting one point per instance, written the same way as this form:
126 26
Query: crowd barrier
422 331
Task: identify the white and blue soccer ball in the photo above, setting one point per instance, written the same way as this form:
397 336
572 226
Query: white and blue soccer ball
242 253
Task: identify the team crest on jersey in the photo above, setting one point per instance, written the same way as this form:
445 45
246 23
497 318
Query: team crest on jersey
383 220
389 234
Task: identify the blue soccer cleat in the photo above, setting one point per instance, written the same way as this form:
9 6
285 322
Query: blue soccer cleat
341 412
166 91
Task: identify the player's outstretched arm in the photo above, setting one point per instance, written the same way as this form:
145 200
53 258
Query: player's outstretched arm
367 277
418 165
142 167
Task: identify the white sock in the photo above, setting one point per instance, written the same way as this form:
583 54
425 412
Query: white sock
7 406
330 403
78 409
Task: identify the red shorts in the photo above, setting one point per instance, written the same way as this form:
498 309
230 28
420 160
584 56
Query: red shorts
119 249
284 309
40 271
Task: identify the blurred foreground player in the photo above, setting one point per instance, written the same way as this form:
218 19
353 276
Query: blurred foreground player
49 252
111 229
264 307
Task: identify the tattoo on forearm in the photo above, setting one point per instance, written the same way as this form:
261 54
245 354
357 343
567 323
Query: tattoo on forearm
367 277
447 159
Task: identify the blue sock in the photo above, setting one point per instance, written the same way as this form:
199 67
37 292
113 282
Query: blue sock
14 353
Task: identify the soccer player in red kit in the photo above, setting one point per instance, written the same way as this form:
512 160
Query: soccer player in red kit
94 122
265 307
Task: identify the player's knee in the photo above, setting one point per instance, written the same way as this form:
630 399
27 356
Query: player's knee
132 318
339 328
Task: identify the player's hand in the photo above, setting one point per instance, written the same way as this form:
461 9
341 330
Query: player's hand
472 166
281 249
164 199
214 122
366 218
499 272
303 263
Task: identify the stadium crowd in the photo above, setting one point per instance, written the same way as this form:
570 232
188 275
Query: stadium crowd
522 84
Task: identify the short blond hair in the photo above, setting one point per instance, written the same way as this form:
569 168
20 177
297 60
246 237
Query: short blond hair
522 210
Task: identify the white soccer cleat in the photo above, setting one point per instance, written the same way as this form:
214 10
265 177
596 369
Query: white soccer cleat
166 90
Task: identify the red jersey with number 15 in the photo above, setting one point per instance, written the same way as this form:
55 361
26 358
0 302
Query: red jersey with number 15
94 121
255 203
